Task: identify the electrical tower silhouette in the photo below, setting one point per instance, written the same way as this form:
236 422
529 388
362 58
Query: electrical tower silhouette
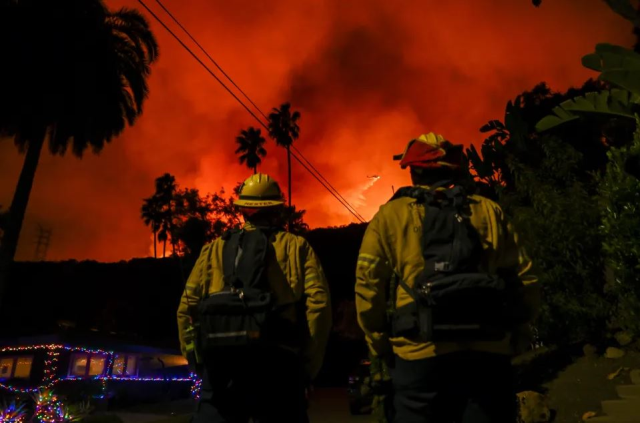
42 243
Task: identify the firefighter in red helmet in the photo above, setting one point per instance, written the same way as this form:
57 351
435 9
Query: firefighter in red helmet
461 288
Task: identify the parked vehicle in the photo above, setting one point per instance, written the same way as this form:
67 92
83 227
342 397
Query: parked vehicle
359 389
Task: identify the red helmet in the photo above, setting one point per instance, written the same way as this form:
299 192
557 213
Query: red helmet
431 151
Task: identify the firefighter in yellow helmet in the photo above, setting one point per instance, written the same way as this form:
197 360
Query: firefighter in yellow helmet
461 292
255 316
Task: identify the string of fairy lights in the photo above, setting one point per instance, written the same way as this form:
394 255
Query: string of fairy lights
50 378
48 409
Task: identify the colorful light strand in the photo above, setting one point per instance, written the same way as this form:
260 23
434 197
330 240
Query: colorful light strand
197 386
55 347
30 347
50 377
13 413
49 409
148 379
15 390
50 367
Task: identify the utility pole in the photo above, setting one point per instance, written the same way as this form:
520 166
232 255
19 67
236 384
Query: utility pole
42 243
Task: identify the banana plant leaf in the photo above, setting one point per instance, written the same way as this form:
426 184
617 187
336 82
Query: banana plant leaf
625 9
492 125
516 125
617 65
613 103
483 168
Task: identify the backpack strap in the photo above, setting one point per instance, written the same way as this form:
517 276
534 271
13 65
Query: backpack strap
416 310
250 262
457 196
244 256
406 287
230 254
208 274
431 230
422 195
434 201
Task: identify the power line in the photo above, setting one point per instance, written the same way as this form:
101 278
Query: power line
186 31
197 58
348 207
340 199
208 56
323 178
330 187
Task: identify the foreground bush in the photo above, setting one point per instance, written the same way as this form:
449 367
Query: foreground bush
620 228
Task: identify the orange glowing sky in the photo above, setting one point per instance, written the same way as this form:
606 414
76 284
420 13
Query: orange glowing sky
367 76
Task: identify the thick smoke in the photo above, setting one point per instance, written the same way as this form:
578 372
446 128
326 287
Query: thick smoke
367 76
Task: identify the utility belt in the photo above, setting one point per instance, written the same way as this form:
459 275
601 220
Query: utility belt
458 308
244 318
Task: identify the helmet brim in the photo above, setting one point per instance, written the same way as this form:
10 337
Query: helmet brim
258 203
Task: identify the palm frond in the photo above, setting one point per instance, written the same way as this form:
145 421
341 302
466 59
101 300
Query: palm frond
251 144
282 125
132 23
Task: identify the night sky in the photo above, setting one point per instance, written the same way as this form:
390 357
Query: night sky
367 77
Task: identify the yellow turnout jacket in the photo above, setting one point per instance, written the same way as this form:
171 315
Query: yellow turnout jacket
392 242
296 273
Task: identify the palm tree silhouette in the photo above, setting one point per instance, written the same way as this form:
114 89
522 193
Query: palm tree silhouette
251 148
74 74
151 214
295 220
166 189
284 129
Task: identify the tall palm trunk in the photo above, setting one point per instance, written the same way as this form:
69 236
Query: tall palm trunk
155 243
172 232
18 208
164 249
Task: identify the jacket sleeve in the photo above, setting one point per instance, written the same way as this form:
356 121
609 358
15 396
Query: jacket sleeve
372 283
318 310
191 296
511 256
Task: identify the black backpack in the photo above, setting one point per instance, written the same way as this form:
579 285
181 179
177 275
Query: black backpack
453 301
244 312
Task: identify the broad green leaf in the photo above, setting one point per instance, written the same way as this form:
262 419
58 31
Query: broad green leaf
613 103
627 79
614 52
618 66
625 9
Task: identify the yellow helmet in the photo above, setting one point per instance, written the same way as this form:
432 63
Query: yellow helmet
259 190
